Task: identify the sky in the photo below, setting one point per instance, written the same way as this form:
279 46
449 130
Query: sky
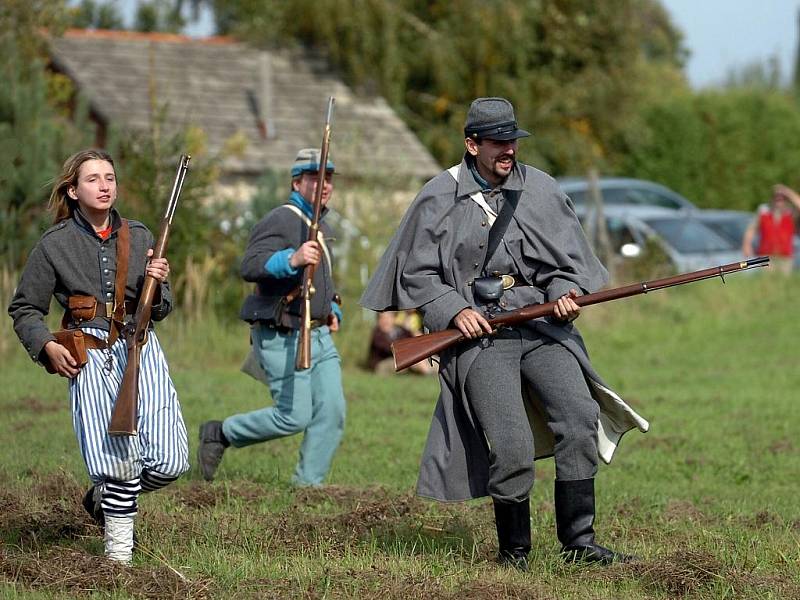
720 34
731 34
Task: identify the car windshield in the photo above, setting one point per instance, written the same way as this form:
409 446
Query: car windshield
689 236
732 229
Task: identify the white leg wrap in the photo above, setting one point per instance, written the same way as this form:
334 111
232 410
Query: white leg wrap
119 538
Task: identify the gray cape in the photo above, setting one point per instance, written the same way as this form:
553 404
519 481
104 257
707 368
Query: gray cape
438 249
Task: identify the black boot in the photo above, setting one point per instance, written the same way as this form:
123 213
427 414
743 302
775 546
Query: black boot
91 504
212 445
513 522
574 502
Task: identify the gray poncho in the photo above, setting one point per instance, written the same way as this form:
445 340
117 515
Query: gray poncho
438 249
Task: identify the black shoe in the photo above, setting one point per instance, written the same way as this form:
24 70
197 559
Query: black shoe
575 511
594 553
212 446
513 521
91 503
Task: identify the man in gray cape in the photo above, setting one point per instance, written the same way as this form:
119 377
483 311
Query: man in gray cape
489 235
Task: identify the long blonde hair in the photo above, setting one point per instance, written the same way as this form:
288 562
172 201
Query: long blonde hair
60 204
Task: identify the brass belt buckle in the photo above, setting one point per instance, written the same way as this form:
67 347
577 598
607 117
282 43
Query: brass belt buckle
110 309
508 281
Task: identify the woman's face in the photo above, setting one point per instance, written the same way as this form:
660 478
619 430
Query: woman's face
96 189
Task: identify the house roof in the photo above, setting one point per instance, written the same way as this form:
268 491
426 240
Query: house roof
227 88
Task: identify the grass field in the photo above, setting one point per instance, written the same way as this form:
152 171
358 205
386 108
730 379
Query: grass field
708 499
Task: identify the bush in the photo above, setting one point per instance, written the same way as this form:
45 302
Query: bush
721 149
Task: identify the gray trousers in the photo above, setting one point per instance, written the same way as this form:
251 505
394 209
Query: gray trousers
494 391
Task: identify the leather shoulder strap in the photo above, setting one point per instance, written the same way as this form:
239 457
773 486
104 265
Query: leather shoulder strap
477 197
121 281
497 223
320 237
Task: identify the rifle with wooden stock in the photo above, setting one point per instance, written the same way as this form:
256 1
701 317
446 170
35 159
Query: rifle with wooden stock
124 418
410 351
303 358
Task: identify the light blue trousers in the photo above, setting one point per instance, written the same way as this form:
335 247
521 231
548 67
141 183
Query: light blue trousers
311 401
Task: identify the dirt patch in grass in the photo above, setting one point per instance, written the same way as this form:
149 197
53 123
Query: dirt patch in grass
679 574
199 495
683 510
203 495
47 511
687 573
68 570
781 586
783 446
385 584
761 519
38 519
37 406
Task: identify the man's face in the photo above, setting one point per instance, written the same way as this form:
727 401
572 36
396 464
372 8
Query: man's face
306 185
495 158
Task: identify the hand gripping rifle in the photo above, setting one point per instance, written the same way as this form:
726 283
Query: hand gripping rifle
124 418
410 351
303 358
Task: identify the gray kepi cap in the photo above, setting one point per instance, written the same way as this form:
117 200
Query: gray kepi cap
492 118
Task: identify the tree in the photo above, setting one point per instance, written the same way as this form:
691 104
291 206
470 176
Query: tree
91 14
574 69
38 128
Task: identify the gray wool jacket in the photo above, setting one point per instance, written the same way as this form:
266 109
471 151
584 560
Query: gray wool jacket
280 229
71 259
438 249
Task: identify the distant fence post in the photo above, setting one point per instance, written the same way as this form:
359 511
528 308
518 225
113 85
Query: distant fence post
597 230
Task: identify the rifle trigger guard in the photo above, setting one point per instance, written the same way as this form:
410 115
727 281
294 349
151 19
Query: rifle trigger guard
721 274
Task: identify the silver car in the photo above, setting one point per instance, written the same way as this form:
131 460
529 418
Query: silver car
684 238
622 191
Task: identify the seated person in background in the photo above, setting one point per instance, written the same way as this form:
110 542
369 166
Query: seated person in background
774 226
387 330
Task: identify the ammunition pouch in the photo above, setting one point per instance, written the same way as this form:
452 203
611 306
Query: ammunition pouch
74 341
82 308
490 288
281 317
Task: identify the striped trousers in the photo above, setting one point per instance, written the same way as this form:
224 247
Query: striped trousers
161 444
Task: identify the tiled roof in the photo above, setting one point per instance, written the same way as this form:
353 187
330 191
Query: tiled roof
214 83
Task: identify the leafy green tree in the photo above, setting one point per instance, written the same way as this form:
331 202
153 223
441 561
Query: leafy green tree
722 149
159 15
38 126
575 69
99 15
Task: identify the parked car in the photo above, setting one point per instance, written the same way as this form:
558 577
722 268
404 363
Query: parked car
730 224
688 243
618 191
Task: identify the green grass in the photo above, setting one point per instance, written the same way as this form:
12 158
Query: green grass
707 498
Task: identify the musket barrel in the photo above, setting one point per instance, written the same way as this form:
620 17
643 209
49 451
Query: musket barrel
303 355
410 351
124 418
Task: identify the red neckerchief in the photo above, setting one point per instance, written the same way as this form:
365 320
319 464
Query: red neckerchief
104 233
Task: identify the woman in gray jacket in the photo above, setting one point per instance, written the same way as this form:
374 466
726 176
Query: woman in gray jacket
94 262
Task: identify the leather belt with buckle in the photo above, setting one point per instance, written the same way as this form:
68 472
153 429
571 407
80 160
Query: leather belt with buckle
106 309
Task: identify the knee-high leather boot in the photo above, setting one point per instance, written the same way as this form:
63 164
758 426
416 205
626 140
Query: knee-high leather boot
574 502
513 521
